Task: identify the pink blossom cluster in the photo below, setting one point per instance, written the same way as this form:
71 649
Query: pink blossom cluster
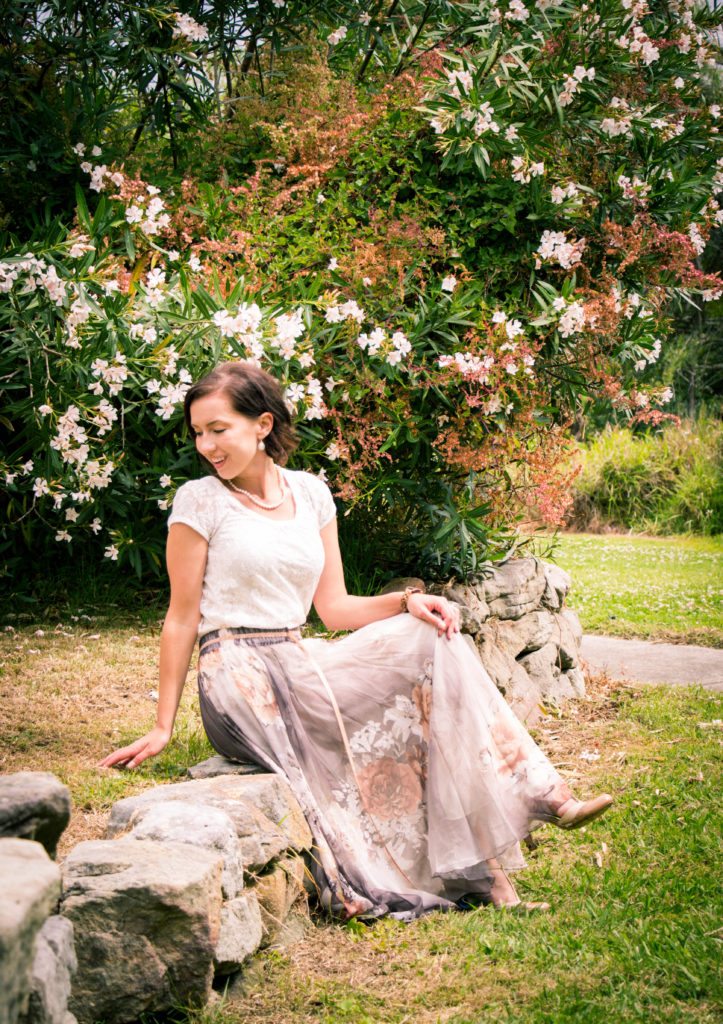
554 247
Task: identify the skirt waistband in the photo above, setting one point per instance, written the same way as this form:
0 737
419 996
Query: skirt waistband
270 635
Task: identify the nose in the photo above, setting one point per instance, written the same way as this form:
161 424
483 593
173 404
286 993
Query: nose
205 443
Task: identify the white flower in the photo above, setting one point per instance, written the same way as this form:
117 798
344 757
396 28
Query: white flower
163 503
514 328
79 149
320 198
337 35
96 151
111 552
96 525
333 452
279 3
367 282
63 535
365 19
588 755
333 263
45 410
28 466
165 480
40 487
665 396
499 316
517 11
511 134
134 214
111 287
189 29
449 283
31 165
194 264
71 515
555 247
679 83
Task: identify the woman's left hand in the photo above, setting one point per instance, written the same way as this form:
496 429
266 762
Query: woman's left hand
438 611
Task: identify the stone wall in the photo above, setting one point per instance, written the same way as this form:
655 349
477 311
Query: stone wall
194 877
529 642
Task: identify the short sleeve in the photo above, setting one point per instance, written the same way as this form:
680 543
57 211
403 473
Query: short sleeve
192 506
321 499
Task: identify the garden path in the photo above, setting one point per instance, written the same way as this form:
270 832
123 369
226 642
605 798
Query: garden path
646 662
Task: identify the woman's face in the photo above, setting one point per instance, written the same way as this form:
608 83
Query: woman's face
226 438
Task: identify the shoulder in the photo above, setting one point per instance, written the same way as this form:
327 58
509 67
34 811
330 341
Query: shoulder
196 504
316 491
206 487
309 482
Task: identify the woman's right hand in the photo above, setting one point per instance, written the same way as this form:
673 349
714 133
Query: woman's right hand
135 753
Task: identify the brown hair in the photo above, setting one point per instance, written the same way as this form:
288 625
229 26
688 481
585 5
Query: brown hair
251 392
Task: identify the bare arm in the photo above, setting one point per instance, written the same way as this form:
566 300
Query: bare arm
338 609
186 554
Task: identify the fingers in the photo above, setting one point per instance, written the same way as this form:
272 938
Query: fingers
126 757
440 613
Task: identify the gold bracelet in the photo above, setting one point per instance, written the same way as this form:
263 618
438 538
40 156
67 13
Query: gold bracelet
404 600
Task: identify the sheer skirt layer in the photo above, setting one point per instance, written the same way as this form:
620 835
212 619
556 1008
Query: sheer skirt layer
411 769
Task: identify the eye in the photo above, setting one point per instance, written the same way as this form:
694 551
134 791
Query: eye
220 430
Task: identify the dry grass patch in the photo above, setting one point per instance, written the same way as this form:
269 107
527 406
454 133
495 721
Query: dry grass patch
70 696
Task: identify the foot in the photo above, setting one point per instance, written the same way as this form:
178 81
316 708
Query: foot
503 895
574 813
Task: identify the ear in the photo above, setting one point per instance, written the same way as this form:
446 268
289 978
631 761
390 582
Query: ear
266 423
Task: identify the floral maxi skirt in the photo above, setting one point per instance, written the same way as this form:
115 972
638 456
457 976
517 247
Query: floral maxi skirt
410 767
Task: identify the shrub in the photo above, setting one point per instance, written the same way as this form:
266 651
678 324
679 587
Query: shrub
667 482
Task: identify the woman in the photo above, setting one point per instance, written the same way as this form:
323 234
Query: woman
416 778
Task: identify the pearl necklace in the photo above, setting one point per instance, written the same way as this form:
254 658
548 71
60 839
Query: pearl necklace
257 501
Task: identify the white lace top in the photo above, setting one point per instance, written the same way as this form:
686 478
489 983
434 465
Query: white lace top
260 572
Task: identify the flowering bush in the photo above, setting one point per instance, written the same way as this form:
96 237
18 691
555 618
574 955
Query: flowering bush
503 238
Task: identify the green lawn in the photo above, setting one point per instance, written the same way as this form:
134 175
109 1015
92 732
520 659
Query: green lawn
667 588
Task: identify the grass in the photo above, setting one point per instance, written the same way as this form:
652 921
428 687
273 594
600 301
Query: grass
636 929
665 588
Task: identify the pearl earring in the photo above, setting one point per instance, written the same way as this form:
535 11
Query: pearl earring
261 446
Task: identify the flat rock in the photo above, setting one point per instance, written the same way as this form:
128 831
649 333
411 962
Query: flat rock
176 821
29 891
219 765
147 919
34 805
53 967
262 808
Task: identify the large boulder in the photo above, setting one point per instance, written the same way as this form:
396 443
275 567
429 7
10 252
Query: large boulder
147 920
34 805
29 891
53 967
265 814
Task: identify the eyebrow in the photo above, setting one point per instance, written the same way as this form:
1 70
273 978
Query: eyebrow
211 423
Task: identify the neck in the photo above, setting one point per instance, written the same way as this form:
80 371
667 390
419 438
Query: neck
262 478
